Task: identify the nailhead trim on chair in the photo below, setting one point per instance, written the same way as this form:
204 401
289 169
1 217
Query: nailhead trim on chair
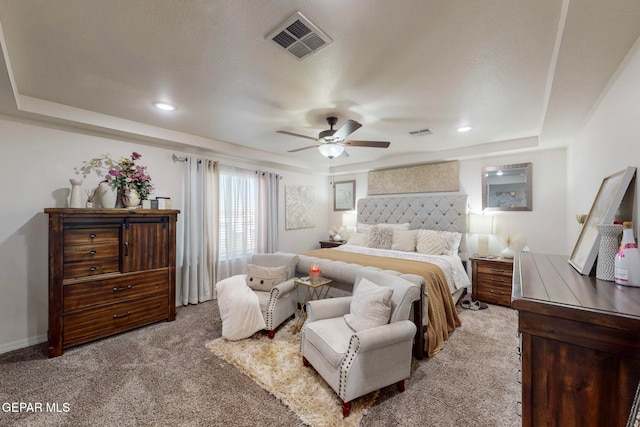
273 297
345 366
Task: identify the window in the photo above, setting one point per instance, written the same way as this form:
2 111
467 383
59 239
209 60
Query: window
237 222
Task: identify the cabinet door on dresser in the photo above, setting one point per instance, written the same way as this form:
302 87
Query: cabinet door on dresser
145 244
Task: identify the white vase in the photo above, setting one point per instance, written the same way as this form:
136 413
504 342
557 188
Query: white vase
507 253
108 195
75 198
609 244
130 198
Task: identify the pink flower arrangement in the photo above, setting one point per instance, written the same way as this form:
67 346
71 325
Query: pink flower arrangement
126 174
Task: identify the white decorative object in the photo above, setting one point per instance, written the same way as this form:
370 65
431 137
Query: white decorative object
609 243
507 253
75 198
108 195
130 198
627 259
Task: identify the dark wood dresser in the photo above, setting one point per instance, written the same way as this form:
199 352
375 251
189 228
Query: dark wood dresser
110 270
580 344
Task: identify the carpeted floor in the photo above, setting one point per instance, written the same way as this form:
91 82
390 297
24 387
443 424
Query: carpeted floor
162 375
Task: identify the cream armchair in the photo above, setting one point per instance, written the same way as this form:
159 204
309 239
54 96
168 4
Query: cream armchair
357 363
280 303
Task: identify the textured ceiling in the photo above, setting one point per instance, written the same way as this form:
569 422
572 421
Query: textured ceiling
524 74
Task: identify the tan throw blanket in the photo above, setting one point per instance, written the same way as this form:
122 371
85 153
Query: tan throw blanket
443 317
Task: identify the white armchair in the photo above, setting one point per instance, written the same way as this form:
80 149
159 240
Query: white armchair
280 303
357 363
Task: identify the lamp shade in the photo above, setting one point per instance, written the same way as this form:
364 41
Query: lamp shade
330 150
481 224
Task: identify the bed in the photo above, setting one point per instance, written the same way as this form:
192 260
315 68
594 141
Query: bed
438 224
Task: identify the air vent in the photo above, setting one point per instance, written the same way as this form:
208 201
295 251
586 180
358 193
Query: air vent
299 36
421 132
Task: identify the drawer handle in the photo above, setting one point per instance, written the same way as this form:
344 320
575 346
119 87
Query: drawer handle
493 279
519 408
494 292
118 316
93 252
93 268
126 248
92 235
519 376
497 270
124 288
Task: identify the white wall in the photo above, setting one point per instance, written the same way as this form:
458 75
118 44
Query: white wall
35 167
542 229
608 143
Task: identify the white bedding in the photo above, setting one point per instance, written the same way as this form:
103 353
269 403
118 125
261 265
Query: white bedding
451 266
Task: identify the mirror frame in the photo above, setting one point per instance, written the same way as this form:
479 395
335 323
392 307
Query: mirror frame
528 171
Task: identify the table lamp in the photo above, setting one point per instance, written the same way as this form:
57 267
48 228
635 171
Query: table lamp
482 225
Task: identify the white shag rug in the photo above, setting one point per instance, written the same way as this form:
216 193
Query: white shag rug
276 365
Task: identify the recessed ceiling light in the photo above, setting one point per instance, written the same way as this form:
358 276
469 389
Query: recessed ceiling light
164 106
464 128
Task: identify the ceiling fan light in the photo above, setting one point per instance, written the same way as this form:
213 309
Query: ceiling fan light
330 150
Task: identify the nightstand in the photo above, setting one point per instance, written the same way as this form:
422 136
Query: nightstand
491 280
331 243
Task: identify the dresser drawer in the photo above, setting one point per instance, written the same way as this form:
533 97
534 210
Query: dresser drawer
502 270
93 235
74 270
99 292
494 292
89 252
86 325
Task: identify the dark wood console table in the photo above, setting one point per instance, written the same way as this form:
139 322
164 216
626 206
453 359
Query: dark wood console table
580 344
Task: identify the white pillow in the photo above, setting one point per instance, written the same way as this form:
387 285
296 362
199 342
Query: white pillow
452 238
404 240
261 278
431 244
370 306
366 228
358 239
380 237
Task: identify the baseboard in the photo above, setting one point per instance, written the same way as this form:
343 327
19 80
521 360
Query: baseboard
27 342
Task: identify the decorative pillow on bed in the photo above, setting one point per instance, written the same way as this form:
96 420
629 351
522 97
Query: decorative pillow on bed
451 238
261 278
380 237
370 306
431 244
366 228
358 239
404 240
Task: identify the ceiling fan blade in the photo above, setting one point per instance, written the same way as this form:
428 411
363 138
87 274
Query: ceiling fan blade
297 134
374 144
347 129
303 148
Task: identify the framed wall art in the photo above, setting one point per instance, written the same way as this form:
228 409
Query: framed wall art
603 210
344 196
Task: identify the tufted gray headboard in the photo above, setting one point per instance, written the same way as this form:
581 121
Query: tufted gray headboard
442 212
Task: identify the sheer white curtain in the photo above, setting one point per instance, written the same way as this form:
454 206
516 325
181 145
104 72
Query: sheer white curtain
267 224
238 194
199 232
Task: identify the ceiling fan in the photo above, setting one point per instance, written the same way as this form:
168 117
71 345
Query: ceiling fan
331 142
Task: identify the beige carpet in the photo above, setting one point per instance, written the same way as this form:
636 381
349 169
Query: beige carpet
276 365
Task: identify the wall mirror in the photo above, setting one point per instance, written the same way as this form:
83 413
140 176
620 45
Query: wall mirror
507 187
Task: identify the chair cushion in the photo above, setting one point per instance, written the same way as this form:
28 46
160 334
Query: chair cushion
261 278
370 306
331 338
